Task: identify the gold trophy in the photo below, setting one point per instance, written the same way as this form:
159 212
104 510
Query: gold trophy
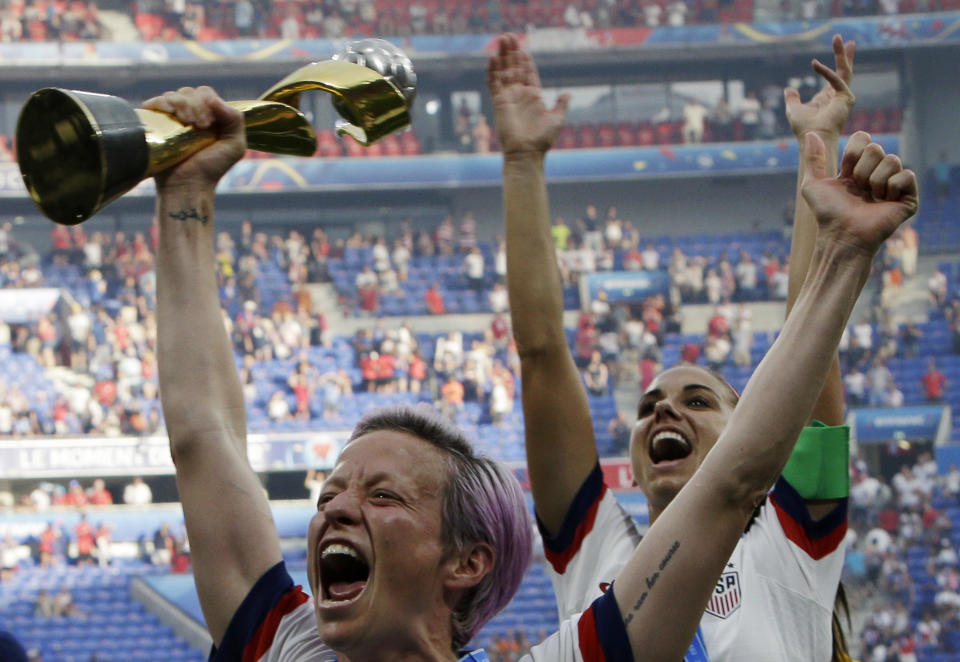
80 151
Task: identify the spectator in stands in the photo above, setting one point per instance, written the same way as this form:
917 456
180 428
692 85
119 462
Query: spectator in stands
694 119
879 381
743 341
381 256
64 606
590 228
481 135
779 283
75 496
164 544
85 538
747 277
560 233
937 286
401 259
855 383
451 397
619 430
721 122
750 116
444 236
863 332
893 396
596 375
651 12
677 13
499 300
934 383
908 255
137 493
501 400
910 339
43 604
712 285
434 300
473 268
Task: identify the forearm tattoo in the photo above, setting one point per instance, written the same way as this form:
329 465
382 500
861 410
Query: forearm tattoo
189 214
651 581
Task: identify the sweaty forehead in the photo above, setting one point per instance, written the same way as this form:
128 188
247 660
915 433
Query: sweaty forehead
683 376
393 454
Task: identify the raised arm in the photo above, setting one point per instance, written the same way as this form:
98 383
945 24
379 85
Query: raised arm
232 536
561 449
664 588
825 115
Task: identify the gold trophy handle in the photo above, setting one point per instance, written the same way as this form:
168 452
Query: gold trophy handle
271 127
372 105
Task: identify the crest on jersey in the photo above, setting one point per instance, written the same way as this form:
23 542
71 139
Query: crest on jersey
726 596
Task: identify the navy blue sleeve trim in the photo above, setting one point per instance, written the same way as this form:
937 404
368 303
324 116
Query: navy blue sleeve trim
795 505
588 494
611 631
260 601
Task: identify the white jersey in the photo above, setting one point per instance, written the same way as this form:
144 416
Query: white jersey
276 623
774 601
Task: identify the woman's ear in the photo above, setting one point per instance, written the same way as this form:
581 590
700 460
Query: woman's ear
467 567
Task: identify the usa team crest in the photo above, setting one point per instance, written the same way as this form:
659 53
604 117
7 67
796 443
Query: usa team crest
726 596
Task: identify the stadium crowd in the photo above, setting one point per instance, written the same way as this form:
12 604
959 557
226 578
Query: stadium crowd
167 20
336 19
102 340
904 557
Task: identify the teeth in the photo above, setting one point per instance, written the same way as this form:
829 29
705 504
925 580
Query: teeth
669 434
337 548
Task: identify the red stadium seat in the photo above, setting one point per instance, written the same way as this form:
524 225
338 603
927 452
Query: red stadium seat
878 121
410 143
587 134
859 121
353 148
626 135
894 119
149 25
391 146
645 134
606 136
665 133
568 138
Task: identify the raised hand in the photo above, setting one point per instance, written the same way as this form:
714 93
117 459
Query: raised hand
827 112
201 108
867 201
523 122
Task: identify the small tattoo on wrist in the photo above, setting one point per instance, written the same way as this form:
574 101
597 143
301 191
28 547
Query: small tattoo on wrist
189 214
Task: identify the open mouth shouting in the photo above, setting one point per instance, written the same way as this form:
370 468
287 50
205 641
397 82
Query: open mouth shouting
343 575
668 446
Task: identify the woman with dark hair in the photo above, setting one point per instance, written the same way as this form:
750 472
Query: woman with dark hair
775 594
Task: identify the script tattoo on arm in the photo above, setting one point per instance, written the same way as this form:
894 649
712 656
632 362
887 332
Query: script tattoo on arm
652 581
189 214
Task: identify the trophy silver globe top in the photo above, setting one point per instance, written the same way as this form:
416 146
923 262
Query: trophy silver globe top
386 59
79 151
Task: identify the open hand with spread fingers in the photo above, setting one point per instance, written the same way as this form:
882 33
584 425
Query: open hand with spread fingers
827 112
203 109
867 201
523 121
